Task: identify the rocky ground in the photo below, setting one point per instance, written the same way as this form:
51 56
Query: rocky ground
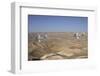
58 45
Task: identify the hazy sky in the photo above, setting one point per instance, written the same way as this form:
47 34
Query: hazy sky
44 23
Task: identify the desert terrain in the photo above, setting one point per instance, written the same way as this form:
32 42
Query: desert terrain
57 45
